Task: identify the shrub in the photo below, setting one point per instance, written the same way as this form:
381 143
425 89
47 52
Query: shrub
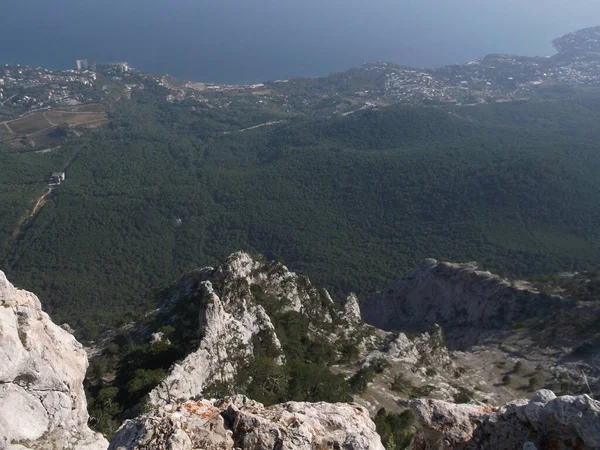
379 365
360 380
167 330
143 382
422 391
401 384
459 372
349 352
314 383
535 383
518 367
431 372
464 395
263 380
396 430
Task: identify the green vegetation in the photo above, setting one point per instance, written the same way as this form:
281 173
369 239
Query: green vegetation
396 430
136 360
422 391
583 286
402 385
130 366
119 379
361 379
464 395
535 383
306 375
350 201
365 375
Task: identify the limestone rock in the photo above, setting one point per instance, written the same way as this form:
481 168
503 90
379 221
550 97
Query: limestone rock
229 325
159 337
424 349
352 309
232 318
456 296
42 366
546 421
486 316
241 423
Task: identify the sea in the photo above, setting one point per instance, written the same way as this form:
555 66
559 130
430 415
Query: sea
243 41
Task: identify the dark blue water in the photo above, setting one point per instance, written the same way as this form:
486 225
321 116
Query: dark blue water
251 40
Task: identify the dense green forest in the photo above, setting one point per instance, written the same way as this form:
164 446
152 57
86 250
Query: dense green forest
351 201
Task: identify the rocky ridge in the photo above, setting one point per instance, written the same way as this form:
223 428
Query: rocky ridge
233 320
482 312
235 310
459 334
457 297
240 423
237 306
544 422
42 367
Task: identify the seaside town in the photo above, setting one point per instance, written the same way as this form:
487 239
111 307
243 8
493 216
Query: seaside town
494 78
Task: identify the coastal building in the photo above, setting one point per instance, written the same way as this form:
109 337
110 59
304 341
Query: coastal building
81 64
121 66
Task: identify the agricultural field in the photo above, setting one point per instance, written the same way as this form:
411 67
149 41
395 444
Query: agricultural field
41 128
28 124
57 117
94 107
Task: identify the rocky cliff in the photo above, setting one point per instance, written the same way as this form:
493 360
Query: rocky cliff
235 302
253 326
229 322
42 367
42 402
504 336
240 423
544 422
457 297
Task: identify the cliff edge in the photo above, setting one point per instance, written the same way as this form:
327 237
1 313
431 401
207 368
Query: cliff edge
42 368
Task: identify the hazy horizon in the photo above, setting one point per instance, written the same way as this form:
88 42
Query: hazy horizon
242 41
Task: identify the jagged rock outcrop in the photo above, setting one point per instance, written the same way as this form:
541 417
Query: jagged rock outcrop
545 422
232 317
426 347
228 332
455 296
244 424
352 309
496 320
42 367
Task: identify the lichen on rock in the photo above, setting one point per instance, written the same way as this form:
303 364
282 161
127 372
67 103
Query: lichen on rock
240 423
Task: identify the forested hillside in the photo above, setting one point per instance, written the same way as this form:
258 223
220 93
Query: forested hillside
351 201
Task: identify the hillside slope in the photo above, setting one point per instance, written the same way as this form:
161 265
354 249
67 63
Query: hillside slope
552 339
351 201
250 326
